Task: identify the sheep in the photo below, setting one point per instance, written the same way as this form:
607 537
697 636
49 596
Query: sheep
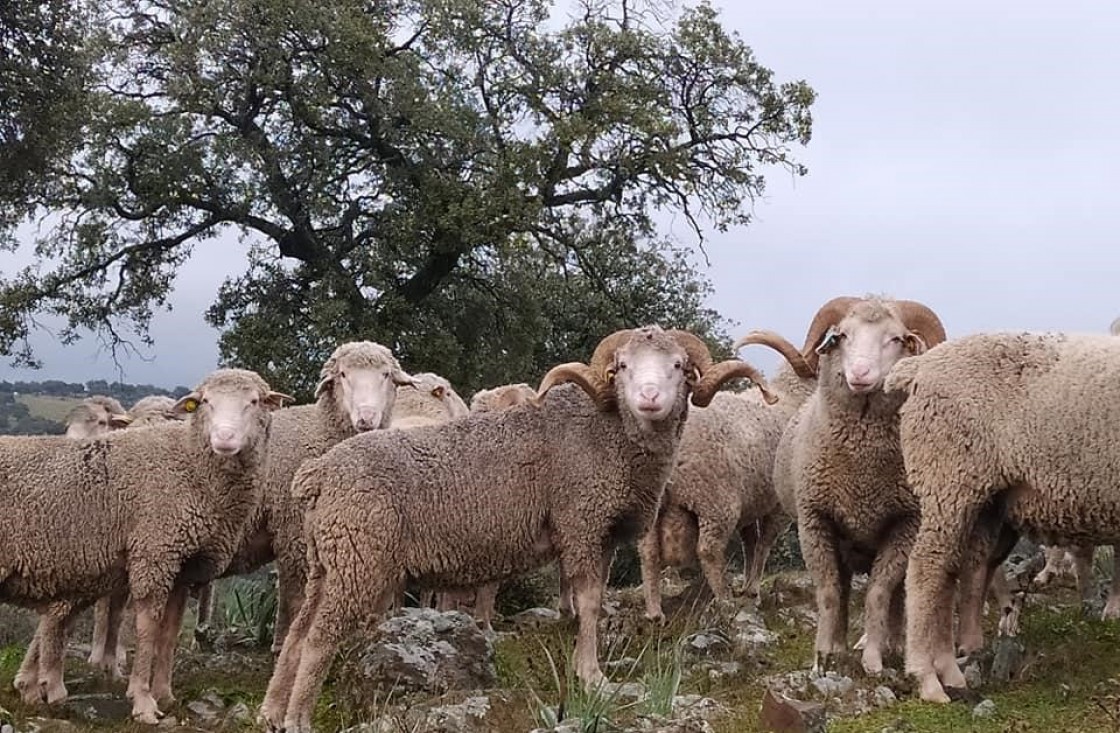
159 509
723 483
839 457
149 410
493 495
1080 557
357 391
430 400
502 397
484 598
1001 429
95 416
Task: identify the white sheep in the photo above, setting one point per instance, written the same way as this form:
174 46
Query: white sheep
839 457
151 510
997 430
491 496
723 483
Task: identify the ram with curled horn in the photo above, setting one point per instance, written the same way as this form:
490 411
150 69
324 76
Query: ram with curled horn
597 377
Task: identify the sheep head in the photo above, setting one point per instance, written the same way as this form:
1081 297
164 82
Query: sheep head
651 366
361 377
872 335
96 416
230 408
503 397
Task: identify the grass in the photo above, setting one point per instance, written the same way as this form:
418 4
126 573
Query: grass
1069 682
50 408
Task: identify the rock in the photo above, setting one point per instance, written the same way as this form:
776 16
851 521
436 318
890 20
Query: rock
781 714
884 696
985 709
468 716
705 642
831 684
421 649
623 691
1007 659
240 713
724 669
697 706
657 724
535 618
380 725
99 707
625 663
974 674
203 710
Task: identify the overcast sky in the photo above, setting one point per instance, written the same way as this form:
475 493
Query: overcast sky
964 154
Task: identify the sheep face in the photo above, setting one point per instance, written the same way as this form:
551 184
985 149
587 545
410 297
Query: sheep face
233 406
362 378
863 347
95 417
650 375
440 389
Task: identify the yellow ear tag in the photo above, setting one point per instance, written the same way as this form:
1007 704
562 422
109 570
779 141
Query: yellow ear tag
190 405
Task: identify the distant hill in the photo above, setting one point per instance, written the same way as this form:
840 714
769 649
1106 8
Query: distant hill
40 408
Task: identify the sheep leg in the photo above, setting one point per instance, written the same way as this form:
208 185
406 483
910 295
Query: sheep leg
887 573
287 663
564 604
972 588
167 642
711 550
485 599
822 557
290 582
332 621
27 678
588 590
756 551
205 604
1112 607
150 609
935 559
1055 561
1083 572
100 633
649 551
111 655
52 647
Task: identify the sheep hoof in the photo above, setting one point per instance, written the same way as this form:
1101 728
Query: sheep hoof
655 617
822 663
861 643
931 690
30 694
54 693
1111 611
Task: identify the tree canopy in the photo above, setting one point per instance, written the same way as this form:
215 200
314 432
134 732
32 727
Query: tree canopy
472 184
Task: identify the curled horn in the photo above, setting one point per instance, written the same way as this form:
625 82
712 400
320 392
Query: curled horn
830 314
775 341
921 321
694 346
595 378
712 376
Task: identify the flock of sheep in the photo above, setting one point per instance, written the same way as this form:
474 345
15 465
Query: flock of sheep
915 459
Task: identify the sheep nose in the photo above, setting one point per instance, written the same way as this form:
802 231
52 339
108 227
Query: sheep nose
861 369
649 392
225 434
368 418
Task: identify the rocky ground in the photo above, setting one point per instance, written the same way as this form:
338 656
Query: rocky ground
713 667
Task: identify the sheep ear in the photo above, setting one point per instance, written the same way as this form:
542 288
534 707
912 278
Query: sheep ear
187 404
829 341
120 421
324 384
401 379
275 400
915 344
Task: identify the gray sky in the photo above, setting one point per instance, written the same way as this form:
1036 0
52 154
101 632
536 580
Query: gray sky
964 154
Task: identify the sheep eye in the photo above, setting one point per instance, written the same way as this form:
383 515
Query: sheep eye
342 375
621 365
255 401
677 365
